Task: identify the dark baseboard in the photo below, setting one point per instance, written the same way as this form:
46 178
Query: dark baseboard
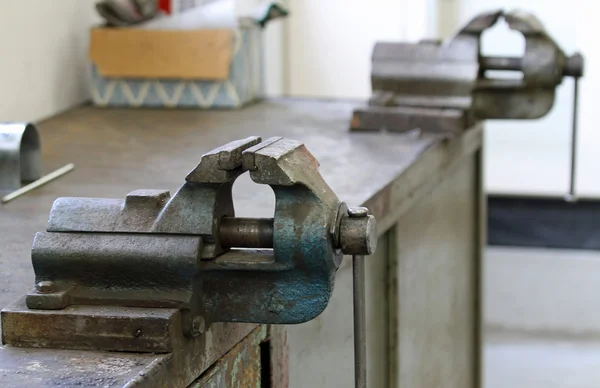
549 223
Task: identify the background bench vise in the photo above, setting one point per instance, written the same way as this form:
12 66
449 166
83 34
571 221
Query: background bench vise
106 269
443 86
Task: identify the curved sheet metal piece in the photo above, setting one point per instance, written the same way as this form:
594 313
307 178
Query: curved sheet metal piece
20 155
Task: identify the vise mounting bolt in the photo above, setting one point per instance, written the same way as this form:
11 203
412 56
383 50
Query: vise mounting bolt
189 253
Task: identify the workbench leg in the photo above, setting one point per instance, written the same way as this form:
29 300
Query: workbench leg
436 287
277 348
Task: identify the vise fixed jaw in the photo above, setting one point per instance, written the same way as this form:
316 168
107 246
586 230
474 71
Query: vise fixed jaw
189 251
444 86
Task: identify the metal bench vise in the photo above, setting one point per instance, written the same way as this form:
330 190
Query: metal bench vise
104 267
443 87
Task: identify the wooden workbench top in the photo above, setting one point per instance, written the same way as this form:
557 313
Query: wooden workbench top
116 151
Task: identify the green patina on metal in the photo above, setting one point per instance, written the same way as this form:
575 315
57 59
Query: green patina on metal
239 368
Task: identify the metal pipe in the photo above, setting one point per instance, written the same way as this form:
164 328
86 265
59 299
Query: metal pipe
236 232
360 333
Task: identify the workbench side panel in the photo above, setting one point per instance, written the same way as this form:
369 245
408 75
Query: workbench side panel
322 350
116 151
436 279
240 367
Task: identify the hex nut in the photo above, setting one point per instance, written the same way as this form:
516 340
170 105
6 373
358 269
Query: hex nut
45 287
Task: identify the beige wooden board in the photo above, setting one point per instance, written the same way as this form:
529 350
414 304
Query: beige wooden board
141 53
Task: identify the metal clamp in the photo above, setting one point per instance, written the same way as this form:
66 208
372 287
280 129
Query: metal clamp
20 156
445 87
189 254
448 80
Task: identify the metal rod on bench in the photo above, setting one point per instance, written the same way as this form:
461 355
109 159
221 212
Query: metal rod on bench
42 181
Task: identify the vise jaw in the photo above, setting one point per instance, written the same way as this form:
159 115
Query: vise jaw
190 253
444 86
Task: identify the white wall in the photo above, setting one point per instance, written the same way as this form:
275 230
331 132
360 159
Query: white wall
44 45
44 51
330 42
275 57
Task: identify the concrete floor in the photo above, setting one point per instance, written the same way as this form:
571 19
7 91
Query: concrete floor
513 362
541 325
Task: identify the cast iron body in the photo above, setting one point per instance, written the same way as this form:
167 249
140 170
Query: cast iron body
443 86
153 251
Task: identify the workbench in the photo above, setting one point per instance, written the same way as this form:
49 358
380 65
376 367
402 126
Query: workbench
423 283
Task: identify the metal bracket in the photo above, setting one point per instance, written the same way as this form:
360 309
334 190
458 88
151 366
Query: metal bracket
20 156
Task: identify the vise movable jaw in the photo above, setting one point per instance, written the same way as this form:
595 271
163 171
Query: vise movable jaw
156 251
444 86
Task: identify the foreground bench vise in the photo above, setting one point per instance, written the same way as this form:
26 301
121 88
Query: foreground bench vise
422 283
151 272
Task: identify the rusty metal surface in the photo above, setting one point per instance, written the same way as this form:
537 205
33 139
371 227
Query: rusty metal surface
241 367
34 367
29 368
127 329
143 252
118 151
